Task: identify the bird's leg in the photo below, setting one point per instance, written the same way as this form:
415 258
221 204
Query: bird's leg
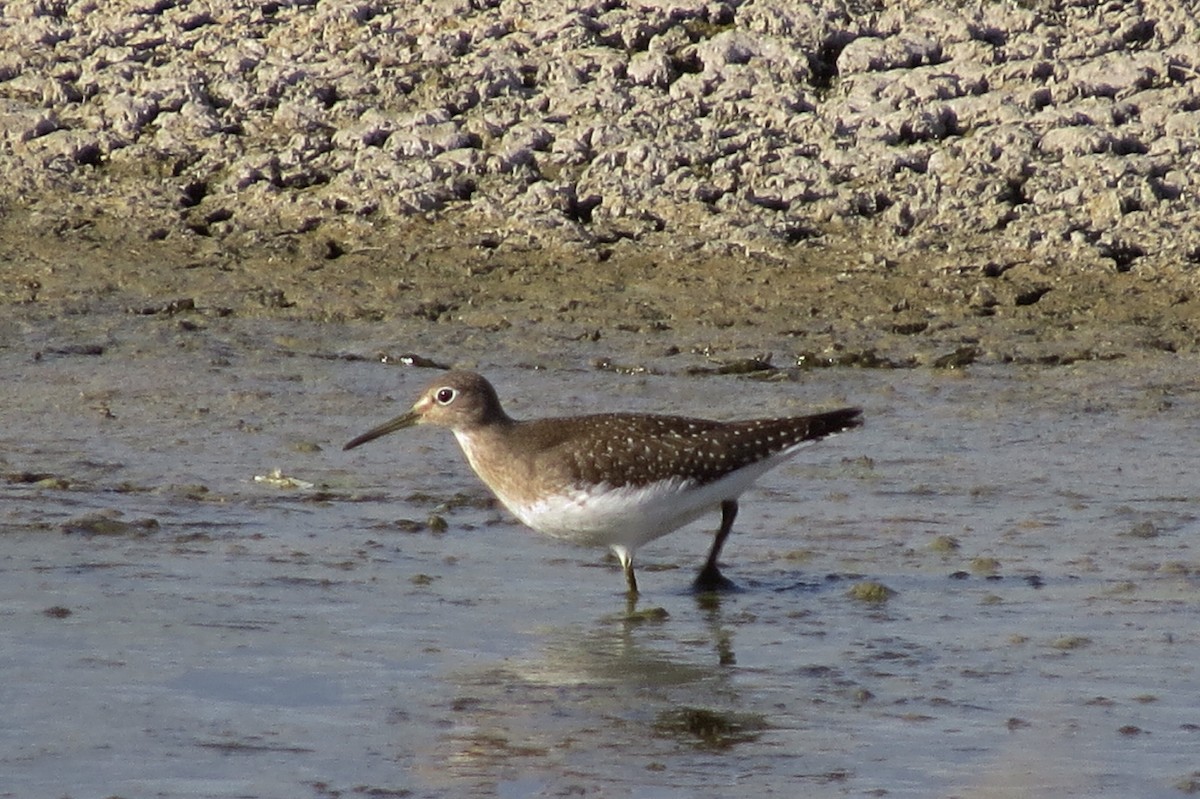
630 579
710 577
626 559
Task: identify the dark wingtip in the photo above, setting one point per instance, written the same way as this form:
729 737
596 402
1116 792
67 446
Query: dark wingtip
839 420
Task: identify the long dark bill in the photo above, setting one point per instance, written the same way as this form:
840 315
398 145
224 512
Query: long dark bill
399 423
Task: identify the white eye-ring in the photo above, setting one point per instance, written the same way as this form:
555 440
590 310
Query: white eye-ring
445 396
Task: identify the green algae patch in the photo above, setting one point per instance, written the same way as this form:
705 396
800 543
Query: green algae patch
653 615
944 544
709 729
800 555
985 566
871 592
109 523
1069 642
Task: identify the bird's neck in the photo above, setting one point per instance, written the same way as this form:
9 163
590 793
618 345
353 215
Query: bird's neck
493 455
486 445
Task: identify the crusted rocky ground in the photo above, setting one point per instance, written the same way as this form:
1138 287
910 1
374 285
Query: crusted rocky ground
847 181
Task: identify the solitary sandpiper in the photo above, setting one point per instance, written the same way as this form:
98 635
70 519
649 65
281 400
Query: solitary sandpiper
615 479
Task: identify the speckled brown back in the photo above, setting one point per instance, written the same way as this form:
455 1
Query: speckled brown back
632 449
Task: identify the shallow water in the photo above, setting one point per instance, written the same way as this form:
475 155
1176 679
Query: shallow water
170 626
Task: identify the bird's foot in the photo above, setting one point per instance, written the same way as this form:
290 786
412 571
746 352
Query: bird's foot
710 579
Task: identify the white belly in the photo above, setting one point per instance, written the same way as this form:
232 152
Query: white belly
622 517
630 516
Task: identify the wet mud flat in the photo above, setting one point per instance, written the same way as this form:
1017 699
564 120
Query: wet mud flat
215 263
989 590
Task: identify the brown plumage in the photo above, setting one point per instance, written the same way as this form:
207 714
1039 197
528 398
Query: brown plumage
616 479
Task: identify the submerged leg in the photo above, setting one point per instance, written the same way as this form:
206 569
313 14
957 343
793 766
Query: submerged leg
626 559
710 577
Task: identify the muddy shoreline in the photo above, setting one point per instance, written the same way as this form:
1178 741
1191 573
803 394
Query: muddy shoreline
817 305
831 183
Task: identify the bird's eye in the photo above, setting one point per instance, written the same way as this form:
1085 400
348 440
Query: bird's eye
445 396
